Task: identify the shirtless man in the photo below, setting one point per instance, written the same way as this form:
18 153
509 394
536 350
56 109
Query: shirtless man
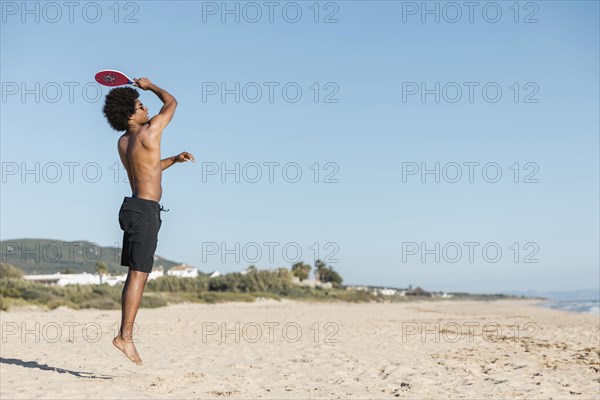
139 216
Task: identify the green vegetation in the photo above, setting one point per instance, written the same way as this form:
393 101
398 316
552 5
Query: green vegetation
8 271
324 273
74 296
254 281
171 290
301 270
101 269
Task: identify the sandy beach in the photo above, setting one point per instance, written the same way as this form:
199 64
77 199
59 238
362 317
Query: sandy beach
296 350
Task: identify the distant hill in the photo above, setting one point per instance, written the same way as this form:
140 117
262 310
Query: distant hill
47 256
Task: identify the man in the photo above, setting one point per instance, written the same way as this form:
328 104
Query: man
139 216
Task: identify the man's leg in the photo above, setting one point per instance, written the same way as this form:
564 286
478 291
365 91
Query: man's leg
131 299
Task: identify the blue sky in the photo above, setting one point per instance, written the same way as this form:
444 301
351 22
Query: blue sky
366 223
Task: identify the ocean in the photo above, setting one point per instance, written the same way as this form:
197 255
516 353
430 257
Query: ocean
582 306
581 301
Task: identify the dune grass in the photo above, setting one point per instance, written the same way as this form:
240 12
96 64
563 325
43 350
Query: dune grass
167 290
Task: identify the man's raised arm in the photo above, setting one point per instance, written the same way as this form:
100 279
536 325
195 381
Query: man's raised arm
162 119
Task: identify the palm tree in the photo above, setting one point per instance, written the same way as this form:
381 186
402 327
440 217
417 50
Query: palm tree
301 270
320 270
101 269
325 274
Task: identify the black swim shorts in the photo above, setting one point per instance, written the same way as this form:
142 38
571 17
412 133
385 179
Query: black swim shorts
140 221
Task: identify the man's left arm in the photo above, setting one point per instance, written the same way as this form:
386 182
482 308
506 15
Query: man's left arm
183 157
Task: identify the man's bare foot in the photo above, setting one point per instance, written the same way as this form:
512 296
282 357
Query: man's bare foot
128 348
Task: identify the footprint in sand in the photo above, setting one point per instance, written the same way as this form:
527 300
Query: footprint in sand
223 393
193 377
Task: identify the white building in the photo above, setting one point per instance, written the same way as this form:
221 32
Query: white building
87 278
157 272
359 288
183 271
214 274
113 280
311 283
65 279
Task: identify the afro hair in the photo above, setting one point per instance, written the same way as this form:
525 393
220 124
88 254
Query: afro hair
119 106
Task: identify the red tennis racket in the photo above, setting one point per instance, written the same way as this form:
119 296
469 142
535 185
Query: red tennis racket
110 77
